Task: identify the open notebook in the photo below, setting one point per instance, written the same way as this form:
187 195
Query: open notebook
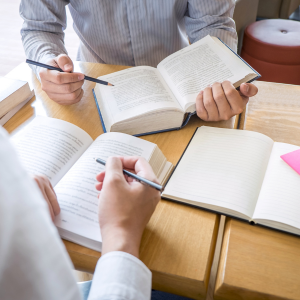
65 154
147 100
238 173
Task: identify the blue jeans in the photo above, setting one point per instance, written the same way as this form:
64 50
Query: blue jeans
85 288
155 295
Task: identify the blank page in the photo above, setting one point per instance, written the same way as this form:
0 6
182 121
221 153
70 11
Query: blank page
279 199
222 167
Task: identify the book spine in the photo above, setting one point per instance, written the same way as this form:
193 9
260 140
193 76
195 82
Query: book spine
99 111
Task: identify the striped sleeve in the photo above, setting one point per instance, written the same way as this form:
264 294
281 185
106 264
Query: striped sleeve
43 29
213 17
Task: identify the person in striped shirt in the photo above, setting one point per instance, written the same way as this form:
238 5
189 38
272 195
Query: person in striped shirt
133 33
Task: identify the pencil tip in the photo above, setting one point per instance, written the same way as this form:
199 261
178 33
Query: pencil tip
110 84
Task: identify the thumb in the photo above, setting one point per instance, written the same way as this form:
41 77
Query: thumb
248 89
64 62
114 170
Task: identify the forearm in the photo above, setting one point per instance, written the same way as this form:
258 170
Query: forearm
213 17
41 46
42 30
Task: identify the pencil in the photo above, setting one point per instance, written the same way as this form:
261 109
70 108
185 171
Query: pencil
136 177
32 62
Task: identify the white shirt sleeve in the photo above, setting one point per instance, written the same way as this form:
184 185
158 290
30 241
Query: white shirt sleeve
120 276
33 261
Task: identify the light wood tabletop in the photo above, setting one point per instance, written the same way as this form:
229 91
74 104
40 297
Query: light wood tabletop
259 263
179 241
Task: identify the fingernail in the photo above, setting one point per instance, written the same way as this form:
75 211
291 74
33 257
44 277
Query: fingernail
67 67
81 77
201 93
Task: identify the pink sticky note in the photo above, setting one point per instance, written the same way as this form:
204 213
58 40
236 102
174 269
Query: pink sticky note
293 160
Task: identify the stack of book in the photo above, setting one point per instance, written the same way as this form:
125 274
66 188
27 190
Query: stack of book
14 94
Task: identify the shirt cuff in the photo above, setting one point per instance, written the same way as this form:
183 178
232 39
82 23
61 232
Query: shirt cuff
119 275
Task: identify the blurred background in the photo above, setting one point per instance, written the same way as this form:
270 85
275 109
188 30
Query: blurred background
11 49
12 53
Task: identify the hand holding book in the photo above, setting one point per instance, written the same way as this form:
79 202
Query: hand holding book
221 101
148 100
47 191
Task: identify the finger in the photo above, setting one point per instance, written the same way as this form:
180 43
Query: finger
41 188
51 211
210 105
114 171
248 89
128 178
67 99
99 186
60 77
140 166
100 176
234 98
52 199
64 62
223 106
66 88
201 111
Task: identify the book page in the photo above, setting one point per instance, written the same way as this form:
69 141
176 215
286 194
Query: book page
222 168
279 199
50 147
76 192
136 91
195 67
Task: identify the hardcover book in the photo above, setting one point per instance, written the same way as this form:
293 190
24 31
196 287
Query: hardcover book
146 100
240 174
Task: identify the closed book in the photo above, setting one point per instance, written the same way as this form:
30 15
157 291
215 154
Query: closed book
12 93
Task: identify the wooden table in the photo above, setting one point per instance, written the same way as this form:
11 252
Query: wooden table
179 241
258 263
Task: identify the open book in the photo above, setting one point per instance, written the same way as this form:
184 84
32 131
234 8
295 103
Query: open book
65 154
147 100
238 173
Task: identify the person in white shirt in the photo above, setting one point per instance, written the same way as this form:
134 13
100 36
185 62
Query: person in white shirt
33 261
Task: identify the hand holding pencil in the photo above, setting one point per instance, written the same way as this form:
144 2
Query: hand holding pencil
125 205
62 87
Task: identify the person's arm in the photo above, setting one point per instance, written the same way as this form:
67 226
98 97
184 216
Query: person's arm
43 41
33 261
213 17
221 100
125 207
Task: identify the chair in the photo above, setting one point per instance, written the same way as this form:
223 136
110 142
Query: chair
272 48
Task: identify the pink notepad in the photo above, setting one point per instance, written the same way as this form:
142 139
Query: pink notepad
293 160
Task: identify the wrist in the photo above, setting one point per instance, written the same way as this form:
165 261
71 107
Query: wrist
118 239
